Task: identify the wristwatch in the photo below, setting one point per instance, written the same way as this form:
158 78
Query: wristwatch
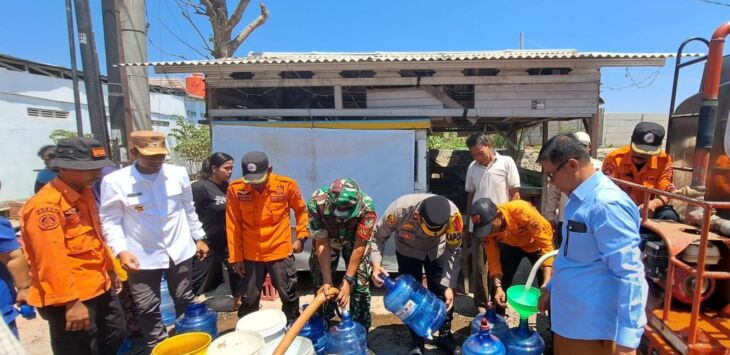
350 280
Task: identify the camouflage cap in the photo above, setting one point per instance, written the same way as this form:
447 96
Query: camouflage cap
346 197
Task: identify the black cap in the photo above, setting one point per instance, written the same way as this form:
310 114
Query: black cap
483 213
647 138
255 165
435 212
80 154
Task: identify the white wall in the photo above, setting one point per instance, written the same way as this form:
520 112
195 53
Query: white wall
22 135
617 127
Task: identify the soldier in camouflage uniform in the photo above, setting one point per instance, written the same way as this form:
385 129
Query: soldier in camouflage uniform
341 221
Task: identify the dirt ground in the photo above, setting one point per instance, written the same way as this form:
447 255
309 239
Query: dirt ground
388 335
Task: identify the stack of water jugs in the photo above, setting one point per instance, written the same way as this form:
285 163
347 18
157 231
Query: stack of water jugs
501 340
418 308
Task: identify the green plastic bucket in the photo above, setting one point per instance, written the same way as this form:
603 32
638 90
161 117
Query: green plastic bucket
523 300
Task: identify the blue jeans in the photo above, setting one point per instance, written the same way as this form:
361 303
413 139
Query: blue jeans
14 328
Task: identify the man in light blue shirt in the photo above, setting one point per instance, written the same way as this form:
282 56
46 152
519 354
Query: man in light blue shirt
598 292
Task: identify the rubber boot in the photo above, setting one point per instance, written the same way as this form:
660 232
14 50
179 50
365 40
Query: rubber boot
446 341
418 345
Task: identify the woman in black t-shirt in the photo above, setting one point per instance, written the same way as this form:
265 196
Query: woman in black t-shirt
209 195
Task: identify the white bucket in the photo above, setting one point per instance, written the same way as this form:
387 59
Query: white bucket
237 343
270 323
300 346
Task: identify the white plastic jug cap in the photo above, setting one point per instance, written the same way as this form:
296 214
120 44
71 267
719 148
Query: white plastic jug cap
237 343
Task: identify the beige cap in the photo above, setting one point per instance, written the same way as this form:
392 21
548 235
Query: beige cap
149 142
583 137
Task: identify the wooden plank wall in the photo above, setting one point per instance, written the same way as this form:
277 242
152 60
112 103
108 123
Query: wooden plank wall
570 99
401 98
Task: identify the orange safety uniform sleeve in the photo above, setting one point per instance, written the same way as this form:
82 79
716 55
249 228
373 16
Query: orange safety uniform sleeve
491 248
234 225
296 203
665 182
540 230
610 167
45 245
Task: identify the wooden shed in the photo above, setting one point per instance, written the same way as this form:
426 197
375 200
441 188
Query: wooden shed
502 91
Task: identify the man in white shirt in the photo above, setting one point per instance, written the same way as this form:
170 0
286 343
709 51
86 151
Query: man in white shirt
555 200
150 224
494 176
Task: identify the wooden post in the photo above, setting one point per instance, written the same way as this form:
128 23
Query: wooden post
594 132
545 137
338 97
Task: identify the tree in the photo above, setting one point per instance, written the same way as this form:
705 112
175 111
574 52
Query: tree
223 26
59 134
192 141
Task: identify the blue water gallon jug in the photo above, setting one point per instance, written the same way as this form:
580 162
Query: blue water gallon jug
125 348
497 324
315 330
167 306
198 318
417 307
27 311
522 340
347 338
483 342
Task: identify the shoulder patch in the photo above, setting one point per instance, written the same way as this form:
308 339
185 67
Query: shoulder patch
48 220
453 239
391 219
456 225
368 219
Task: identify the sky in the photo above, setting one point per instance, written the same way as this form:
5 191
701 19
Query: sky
36 30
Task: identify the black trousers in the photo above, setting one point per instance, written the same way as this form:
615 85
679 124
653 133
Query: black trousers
283 274
208 274
511 257
107 332
667 213
434 273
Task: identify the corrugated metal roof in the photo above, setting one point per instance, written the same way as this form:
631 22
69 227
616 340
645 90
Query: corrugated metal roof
170 83
315 57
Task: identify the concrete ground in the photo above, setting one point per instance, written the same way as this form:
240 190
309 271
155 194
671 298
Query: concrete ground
388 335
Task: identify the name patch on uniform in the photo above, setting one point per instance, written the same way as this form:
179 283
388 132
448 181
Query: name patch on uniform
244 196
134 194
277 198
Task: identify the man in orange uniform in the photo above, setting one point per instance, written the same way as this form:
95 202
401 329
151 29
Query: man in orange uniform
643 162
70 263
259 232
511 232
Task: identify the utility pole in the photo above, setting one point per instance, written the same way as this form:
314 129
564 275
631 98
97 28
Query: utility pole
74 72
119 115
522 40
92 76
133 33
